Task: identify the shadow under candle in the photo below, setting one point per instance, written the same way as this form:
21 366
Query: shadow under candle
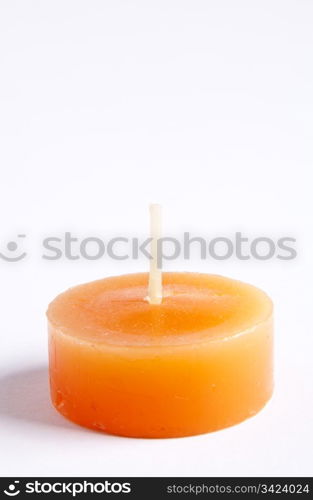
24 395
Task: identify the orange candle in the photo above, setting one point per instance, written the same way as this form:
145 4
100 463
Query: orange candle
160 356
199 361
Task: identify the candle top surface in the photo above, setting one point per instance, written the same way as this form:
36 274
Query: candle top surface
195 308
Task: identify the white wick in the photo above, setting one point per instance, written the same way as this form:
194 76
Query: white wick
155 275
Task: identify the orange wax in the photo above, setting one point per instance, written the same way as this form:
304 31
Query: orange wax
198 362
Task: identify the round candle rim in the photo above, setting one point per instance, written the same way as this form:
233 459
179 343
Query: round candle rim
169 346
190 339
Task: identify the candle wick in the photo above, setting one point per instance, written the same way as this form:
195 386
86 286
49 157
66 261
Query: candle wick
155 274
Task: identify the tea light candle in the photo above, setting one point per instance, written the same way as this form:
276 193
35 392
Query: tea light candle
132 356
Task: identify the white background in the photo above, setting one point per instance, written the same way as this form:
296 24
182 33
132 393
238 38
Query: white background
204 106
